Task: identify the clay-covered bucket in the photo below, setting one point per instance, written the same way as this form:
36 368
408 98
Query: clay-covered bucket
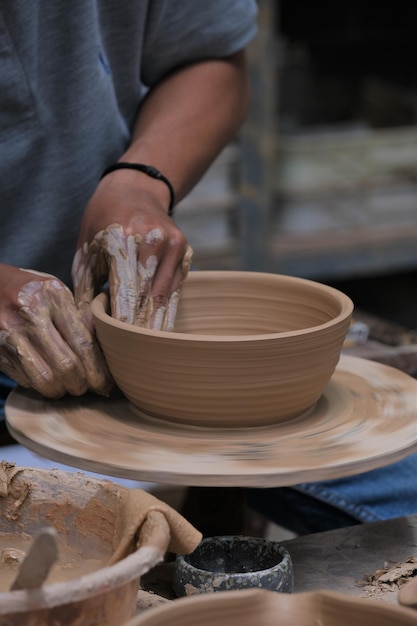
95 522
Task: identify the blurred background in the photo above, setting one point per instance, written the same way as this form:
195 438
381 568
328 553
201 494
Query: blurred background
322 180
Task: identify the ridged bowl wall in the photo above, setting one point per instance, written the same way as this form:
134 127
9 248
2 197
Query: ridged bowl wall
249 349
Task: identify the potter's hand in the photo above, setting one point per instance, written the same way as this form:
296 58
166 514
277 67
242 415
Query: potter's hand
44 344
144 256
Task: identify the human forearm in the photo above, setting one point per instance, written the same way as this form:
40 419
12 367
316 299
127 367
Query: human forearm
189 117
181 127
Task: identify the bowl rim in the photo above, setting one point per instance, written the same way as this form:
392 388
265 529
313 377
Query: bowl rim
99 305
183 561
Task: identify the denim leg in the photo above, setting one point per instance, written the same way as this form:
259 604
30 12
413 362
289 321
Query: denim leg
6 386
380 494
297 511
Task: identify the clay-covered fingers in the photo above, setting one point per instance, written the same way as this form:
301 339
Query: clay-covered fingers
82 345
122 252
163 265
44 343
110 257
33 367
162 315
89 273
12 347
144 274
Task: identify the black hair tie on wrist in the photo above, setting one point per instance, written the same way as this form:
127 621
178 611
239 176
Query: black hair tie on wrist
149 170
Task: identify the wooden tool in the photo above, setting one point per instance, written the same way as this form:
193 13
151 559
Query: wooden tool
37 564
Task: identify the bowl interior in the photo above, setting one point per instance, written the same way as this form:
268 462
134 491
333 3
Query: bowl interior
250 303
233 562
234 304
235 555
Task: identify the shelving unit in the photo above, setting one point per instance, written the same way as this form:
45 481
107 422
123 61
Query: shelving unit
331 199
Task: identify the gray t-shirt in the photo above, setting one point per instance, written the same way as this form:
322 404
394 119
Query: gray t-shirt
73 73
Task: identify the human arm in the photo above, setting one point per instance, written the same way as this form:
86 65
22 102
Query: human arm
184 122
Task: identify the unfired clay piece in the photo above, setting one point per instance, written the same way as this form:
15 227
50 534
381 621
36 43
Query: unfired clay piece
249 349
267 608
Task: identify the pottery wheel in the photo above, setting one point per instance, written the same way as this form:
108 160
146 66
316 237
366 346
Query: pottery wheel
366 418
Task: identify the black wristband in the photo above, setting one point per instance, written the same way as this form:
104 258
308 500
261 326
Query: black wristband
149 170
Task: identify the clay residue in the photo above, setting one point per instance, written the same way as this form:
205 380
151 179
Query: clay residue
148 600
13 493
389 579
7 472
70 564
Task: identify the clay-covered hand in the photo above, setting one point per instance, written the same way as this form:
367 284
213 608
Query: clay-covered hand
128 241
44 343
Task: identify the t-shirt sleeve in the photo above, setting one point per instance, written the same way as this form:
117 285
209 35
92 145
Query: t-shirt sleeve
191 30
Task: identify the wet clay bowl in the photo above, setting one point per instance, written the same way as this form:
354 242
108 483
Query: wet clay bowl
233 562
266 608
89 516
248 349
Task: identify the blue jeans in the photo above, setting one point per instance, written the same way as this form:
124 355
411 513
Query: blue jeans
6 386
380 494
